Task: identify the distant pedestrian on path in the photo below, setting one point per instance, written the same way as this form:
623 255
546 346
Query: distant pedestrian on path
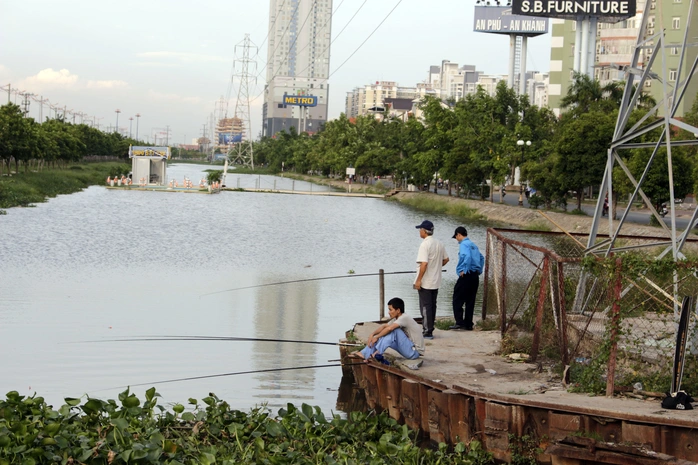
401 333
430 258
469 269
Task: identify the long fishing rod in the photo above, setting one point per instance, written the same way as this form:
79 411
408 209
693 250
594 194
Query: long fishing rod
311 279
222 338
307 280
237 373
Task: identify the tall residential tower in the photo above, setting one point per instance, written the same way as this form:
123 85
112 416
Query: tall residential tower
298 64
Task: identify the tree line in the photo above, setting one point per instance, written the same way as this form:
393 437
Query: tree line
474 140
52 143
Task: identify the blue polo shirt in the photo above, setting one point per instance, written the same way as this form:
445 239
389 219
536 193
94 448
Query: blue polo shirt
469 258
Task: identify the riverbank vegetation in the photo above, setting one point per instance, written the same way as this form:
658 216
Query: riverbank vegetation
128 430
475 139
24 189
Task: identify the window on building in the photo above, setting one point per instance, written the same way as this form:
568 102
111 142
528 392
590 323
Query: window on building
672 75
674 51
676 22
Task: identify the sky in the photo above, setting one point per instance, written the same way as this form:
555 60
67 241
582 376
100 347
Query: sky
171 61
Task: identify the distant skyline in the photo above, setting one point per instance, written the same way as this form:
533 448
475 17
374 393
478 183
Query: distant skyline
171 61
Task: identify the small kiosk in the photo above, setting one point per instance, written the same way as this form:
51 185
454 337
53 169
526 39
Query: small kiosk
149 164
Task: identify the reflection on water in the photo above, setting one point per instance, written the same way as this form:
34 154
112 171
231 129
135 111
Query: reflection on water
290 314
108 264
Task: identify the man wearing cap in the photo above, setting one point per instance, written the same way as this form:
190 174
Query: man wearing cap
469 268
430 258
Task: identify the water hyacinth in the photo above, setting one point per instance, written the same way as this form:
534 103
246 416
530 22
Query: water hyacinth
128 430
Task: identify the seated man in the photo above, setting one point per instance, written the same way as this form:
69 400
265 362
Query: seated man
401 333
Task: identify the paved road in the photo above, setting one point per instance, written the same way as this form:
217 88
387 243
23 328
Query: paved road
635 216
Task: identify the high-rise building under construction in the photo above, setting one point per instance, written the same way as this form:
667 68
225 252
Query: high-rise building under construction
298 64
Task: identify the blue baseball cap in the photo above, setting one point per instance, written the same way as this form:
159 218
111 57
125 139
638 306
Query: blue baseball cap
426 224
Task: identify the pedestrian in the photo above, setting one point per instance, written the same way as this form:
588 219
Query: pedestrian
430 258
401 333
469 269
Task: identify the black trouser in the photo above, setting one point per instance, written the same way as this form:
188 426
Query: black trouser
464 293
427 307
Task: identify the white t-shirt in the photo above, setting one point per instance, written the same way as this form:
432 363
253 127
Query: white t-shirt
412 330
433 253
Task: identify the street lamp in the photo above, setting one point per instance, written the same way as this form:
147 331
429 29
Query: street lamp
523 145
117 119
138 116
130 125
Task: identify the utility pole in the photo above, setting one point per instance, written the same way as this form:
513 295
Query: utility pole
242 150
130 125
138 116
117 119
167 135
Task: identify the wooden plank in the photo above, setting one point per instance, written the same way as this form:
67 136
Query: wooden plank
439 430
369 374
394 396
411 411
642 435
424 407
460 418
497 427
561 425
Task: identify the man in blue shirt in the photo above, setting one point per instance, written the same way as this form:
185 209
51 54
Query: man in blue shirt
469 268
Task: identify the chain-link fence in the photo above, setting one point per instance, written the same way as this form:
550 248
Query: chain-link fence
611 321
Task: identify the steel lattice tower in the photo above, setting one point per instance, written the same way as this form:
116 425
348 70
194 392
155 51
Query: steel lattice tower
649 63
241 152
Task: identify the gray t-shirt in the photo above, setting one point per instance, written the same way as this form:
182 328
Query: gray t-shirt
412 330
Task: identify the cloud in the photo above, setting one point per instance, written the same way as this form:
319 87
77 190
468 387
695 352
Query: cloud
49 78
182 57
113 84
173 97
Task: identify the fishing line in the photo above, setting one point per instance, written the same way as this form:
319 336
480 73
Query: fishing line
236 373
221 338
309 279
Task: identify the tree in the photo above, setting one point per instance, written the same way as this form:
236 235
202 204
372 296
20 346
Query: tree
581 145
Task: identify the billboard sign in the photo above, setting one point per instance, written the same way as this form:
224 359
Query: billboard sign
149 152
501 20
228 138
300 100
603 10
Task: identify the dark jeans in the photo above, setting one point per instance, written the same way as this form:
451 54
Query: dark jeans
427 307
464 293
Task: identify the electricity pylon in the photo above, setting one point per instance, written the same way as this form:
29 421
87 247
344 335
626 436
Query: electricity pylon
241 151
649 63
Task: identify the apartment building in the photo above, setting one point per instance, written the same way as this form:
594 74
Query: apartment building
615 44
298 63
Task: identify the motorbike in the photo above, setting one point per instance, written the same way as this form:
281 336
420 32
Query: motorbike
663 210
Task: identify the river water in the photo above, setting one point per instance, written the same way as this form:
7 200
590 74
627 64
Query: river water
86 268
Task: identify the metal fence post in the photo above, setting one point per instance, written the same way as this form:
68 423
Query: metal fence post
540 308
615 321
488 238
381 285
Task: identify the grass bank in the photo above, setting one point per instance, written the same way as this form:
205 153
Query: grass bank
378 188
444 205
25 189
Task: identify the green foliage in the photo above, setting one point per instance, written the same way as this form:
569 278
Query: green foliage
25 189
442 205
134 430
524 450
214 176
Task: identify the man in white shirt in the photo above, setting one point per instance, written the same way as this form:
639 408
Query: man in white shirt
401 333
430 258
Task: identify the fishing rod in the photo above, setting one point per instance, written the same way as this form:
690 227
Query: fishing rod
269 370
307 280
222 338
